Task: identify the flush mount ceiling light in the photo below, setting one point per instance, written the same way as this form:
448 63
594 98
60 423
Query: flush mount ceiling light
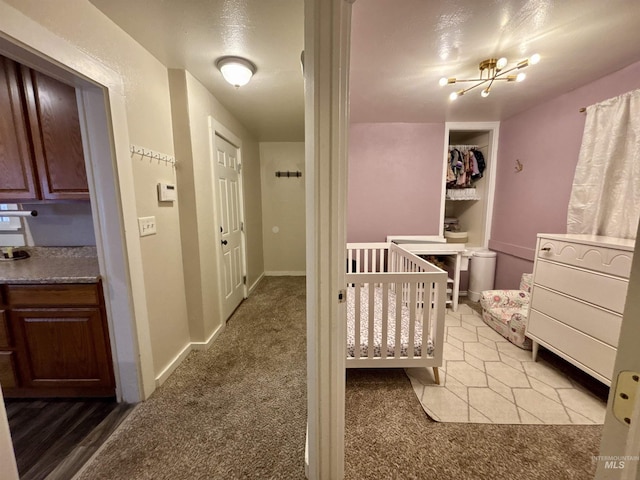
492 70
236 70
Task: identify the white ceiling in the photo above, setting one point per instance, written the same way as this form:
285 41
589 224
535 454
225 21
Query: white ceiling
192 34
400 48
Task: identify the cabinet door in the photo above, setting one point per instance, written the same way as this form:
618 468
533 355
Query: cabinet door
57 140
63 350
8 377
17 179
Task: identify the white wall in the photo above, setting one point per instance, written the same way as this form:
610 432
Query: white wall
193 108
283 208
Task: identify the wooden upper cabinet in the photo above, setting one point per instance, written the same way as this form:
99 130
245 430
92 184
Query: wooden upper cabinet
57 142
17 176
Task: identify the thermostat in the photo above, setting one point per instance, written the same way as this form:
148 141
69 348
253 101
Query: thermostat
167 192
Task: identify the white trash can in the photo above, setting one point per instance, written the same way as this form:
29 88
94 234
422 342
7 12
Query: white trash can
482 273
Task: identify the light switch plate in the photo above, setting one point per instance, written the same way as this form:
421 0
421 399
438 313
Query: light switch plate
147 226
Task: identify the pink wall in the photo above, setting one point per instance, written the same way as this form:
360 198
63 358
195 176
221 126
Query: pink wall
546 140
395 180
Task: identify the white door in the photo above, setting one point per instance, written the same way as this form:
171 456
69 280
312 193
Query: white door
227 185
620 444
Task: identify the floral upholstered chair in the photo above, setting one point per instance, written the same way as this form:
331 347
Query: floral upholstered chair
506 311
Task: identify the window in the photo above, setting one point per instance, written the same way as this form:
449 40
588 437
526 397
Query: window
9 223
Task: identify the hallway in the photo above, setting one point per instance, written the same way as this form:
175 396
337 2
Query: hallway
237 410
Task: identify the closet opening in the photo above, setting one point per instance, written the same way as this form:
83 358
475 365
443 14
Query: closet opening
468 188
469 198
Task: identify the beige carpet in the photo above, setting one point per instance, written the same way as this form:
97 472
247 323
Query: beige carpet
238 411
487 379
389 436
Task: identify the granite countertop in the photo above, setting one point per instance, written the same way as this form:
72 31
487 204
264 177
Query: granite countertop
52 265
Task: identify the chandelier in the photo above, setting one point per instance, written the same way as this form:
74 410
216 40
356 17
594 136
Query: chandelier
492 70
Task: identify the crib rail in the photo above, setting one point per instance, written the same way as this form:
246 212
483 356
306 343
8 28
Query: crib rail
416 288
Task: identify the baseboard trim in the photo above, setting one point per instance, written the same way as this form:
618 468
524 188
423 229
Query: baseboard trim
206 345
175 363
285 274
255 284
169 369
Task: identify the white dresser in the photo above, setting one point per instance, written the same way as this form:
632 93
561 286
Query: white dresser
579 291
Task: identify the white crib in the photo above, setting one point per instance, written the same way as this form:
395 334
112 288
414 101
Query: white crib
395 308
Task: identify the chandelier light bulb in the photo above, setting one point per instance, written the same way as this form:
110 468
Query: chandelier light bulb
453 96
535 58
485 93
502 62
521 76
443 81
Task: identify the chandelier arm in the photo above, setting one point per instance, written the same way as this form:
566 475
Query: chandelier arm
492 80
476 85
504 72
472 80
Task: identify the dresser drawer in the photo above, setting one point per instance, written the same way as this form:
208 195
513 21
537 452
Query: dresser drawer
5 341
600 259
602 290
53 295
596 322
591 353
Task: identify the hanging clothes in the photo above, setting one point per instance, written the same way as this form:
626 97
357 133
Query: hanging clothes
479 158
465 165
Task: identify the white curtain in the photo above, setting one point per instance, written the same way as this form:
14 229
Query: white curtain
605 198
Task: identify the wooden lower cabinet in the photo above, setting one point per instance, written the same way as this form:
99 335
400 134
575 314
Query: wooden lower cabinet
59 346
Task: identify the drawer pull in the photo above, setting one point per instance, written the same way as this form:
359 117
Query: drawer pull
545 249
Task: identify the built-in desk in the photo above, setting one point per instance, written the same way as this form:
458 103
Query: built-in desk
433 246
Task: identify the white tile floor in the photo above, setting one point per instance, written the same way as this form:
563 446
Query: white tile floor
486 379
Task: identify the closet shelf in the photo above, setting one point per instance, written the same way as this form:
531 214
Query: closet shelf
462 194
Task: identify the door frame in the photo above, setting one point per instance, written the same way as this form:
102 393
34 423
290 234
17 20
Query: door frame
217 128
102 102
620 442
105 135
326 73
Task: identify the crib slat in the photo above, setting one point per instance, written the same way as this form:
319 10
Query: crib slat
357 259
399 294
366 260
372 319
374 254
385 319
349 260
427 318
412 319
356 326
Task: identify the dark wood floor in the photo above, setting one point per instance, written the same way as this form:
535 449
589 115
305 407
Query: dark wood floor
53 438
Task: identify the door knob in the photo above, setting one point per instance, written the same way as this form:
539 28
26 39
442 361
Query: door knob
224 242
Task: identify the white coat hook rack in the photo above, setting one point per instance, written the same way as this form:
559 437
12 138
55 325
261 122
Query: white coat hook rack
152 155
